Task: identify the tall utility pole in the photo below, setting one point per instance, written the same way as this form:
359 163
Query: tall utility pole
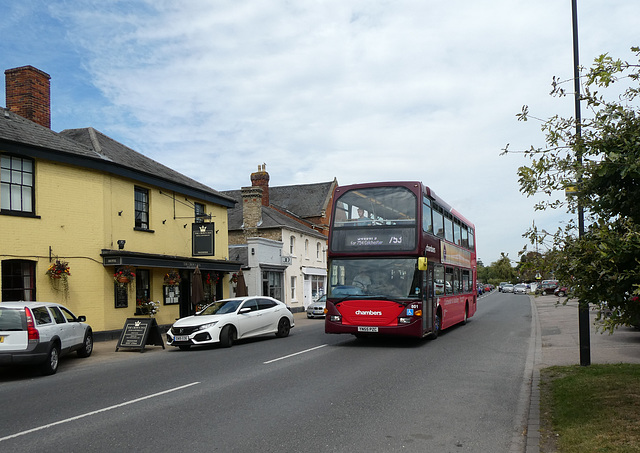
583 307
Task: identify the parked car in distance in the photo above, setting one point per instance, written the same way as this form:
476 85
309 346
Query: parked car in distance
507 288
39 333
501 285
316 309
520 288
488 288
560 291
547 287
228 320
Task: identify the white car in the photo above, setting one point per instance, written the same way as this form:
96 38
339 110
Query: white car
229 320
508 288
520 288
38 333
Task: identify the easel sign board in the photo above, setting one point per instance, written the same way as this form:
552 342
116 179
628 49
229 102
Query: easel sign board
137 333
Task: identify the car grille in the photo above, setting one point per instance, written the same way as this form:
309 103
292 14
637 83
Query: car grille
183 330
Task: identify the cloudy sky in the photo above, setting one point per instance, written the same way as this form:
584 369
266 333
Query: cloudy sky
357 90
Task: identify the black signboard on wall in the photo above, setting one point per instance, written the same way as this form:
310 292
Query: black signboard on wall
121 296
203 239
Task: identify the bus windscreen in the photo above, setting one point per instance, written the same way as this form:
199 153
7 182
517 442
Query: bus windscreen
375 219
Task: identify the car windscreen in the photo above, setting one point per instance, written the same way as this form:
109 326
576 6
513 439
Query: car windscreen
222 307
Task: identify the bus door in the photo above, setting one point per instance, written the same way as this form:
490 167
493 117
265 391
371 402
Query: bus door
428 300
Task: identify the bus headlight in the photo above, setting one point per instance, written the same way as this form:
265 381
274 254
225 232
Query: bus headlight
404 320
335 318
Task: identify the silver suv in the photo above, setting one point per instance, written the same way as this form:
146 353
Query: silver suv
39 333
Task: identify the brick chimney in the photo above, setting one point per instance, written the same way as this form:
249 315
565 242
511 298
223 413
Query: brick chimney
261 179
28 93
251 210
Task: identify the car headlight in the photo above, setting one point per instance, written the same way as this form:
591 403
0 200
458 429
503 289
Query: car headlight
206 326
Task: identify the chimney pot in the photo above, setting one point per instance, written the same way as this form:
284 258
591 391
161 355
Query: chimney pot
261 179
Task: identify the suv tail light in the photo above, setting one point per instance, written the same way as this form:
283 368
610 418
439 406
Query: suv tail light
31 326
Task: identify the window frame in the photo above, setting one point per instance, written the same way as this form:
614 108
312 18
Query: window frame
141 209
8 185
199 212
18 280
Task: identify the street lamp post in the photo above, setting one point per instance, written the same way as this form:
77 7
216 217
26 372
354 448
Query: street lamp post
583 307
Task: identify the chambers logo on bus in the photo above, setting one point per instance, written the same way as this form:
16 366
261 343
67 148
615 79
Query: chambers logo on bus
369 312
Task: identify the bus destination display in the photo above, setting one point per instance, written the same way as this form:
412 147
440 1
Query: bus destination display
374 239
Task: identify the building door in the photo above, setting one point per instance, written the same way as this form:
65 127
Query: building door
429 300
307 292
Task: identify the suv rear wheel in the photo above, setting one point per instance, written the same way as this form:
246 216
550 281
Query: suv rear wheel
50 366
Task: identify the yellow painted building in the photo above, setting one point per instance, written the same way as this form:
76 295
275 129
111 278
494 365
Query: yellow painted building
81 198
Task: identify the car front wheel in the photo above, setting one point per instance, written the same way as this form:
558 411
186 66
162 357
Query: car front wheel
227 336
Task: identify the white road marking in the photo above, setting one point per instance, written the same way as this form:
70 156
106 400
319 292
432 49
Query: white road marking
77 417
291 355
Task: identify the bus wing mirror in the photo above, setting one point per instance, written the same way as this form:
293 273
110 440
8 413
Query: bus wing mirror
422 263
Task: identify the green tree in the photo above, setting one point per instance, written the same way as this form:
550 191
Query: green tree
502 271
601 168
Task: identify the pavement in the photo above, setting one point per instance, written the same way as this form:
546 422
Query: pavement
557 343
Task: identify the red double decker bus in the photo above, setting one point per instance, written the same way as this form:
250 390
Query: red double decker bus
401 262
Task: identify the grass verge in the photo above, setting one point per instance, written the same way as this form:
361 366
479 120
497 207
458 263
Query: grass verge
590 409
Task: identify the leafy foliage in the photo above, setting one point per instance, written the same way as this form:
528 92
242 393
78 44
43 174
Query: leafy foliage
601 167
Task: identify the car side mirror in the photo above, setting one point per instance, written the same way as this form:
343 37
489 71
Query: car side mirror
244 310
82 319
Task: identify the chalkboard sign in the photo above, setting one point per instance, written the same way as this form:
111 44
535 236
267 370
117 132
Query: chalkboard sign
137 333
121 296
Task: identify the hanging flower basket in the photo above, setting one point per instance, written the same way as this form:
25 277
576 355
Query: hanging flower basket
58 273
172 278
58 270
124 275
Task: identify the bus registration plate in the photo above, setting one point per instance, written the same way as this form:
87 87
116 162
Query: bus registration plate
367 329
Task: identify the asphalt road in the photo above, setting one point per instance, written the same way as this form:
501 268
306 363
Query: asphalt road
308 392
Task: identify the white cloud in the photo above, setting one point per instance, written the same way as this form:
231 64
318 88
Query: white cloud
360 90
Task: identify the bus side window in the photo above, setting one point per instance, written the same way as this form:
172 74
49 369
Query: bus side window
466 281
465 236
456 281
448 280
438 278
438 221
448 228
427 224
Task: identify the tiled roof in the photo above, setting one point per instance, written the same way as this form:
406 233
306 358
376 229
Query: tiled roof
91 149
305 200
21 131
123 155
271 218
